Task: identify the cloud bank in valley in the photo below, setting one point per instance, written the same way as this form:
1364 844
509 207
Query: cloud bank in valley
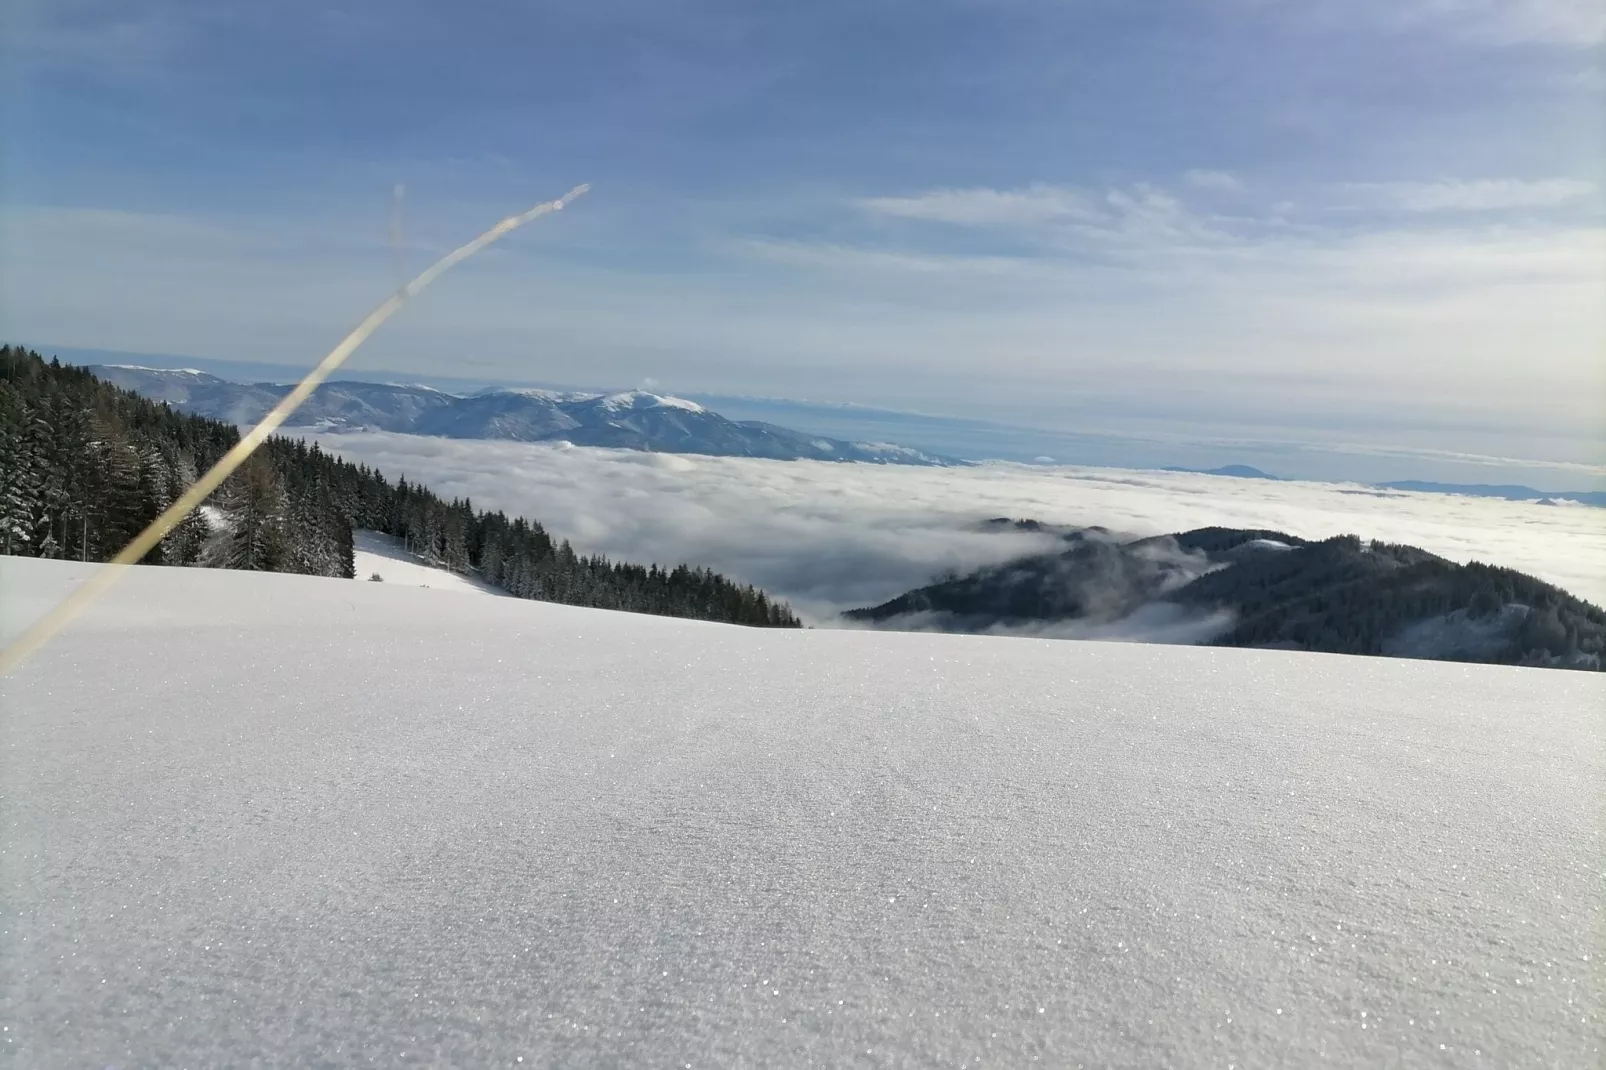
831 537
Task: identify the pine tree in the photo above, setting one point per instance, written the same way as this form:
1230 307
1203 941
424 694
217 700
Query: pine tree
252 532
20 473
183 545
454 541
115 507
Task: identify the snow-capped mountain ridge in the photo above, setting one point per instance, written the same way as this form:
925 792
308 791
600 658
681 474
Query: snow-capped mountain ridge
192 372
630 419
535 392
641 399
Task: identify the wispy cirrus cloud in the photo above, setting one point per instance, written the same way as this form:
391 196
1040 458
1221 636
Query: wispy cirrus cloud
1435 301
99 39
1028 206
1501 23
839 256
1218 181
1571 23
1145 223
1470 195
1051 213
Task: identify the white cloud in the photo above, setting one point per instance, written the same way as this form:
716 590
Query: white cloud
1478 195
104 39
1204 320
1503 23
990 207
1138 280
832 537
1155 238
835 256
1218 181
1482 460
1574 23
1055 213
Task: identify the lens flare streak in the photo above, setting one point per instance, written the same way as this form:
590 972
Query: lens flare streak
42 630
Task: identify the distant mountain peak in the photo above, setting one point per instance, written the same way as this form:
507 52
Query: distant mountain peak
193 373
641 399
536 392
1236 471
1508 491
424 387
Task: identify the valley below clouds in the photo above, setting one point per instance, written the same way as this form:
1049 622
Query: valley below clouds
830 537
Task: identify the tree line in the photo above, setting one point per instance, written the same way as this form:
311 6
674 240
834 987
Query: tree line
1346 595
84 466
1341 595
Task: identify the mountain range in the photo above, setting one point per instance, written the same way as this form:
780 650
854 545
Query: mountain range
1247 588
1510 492
1514 492
634 419
1237 471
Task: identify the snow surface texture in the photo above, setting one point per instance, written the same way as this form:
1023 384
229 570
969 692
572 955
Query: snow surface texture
286 821
385 556
830 537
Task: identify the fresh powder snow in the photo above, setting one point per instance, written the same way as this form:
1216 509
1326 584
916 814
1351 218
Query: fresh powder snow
381 555
275 820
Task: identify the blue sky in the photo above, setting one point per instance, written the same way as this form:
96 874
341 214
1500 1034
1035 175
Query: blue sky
1372 223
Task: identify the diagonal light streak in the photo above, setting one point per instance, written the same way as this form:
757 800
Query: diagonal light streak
42 630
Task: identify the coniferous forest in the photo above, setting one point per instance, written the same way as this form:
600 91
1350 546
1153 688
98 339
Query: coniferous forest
84 466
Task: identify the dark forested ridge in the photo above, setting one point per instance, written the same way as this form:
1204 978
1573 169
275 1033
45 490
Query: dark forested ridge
84 466
1266 589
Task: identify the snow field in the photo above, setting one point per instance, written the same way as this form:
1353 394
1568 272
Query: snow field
291 821
385 556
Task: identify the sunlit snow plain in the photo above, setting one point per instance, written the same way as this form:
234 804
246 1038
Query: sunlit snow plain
286 821
831 537
384 556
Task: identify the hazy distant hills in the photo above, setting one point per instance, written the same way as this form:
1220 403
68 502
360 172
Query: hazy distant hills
634 419
1227 587
1237 471
1509 491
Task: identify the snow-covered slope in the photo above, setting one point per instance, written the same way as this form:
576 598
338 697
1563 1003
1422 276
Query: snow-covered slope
385 556
276 820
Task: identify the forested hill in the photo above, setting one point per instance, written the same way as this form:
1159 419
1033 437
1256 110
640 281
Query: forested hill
84 466
1229 587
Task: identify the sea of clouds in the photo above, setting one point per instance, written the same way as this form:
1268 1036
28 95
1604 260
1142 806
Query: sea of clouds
830 537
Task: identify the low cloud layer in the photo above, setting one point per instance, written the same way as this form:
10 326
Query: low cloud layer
831 537
1157 622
